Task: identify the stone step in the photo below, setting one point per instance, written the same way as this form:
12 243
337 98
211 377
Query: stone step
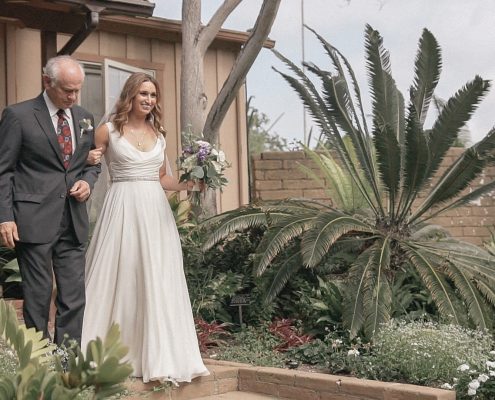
222 379
234 381
238 396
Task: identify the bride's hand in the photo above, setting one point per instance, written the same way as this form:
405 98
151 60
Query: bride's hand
94 156
190 185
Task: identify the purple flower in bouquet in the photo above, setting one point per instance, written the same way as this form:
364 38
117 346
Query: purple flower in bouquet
187 150
202 154
200 161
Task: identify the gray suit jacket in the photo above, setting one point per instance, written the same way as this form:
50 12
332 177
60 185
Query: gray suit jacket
33 181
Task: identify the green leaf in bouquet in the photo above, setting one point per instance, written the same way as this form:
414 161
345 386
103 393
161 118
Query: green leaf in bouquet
212 172
198 173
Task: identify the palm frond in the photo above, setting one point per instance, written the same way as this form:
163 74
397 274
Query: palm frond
377 299
308 94
340 115
287 270
477 261
427 69
279 236
291 206
452 118
341 103
387 110
389 163
464 200
359 273
487 290
340 109
458 176
434 280
335 55
477 307
328 228
416 161
233 221
430 232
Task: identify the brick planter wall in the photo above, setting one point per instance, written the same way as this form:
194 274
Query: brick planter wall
277 176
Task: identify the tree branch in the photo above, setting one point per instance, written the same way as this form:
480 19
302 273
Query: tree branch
243 63
210 31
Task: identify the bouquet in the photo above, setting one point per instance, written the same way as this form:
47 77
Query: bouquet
201 162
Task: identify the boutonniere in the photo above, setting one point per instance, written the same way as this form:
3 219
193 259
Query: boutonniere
85 125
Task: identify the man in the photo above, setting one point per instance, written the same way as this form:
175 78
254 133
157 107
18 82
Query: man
44 184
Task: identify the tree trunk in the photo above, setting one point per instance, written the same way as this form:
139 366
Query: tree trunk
195 41
193 97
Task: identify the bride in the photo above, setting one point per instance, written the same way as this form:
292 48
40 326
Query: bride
134 271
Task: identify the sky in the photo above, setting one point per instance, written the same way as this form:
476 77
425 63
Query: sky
463 29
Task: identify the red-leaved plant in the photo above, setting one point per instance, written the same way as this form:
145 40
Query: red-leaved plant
291 337
210 334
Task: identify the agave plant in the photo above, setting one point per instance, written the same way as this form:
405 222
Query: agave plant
102 370
395 160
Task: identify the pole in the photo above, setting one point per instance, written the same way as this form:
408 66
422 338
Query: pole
304 70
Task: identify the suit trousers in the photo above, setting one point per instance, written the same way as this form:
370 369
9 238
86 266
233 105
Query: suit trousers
64 258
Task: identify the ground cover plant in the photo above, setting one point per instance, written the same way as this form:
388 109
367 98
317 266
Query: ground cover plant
390 163
425 353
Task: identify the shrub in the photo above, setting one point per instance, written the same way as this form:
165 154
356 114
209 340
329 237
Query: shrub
425 353
254 346
477 384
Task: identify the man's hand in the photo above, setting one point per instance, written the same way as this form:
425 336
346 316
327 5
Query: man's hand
80 191
8 234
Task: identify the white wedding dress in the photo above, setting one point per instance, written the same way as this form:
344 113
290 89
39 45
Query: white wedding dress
134 271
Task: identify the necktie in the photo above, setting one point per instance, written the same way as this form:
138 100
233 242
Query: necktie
64 137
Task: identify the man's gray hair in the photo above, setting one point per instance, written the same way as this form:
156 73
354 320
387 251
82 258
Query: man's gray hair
54 65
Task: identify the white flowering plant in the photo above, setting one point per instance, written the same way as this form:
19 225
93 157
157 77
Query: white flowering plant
477 383
202 163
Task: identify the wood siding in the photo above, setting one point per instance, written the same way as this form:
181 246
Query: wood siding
20 79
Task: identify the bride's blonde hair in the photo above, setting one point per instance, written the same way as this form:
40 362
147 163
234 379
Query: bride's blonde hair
124 104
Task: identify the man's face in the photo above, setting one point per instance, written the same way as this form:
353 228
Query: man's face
64 91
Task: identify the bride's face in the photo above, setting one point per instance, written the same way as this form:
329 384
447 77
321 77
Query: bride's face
145 100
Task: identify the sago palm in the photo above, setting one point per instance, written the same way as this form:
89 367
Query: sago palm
391 162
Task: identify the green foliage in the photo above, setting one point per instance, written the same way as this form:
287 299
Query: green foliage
490 243
215 276
182 210
338 185
425 353
476 383
259 132
12 271
464 137
315 301
9 268
28 344
335 353
389 163
101 369
410 300
254 346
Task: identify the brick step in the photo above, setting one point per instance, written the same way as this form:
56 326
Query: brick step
222 379
238 396
234 381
